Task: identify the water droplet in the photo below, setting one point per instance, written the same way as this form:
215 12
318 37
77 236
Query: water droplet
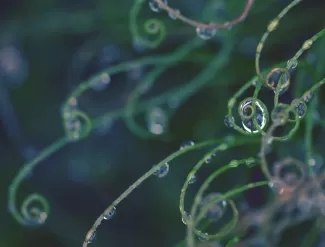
156 121
247 119
292 64
234 163
109 215
187 144
73 126
276 186
206 33
162 171
208 159
185 217
229 122
174 17
154 6
276 77
215 209
229 26
69 108
301 109
76 125
92 238
203 236
308 97
250 163
192 179
153 28
101 82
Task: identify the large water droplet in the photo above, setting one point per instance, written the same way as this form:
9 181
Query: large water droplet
278 76
206 33
301 109
247 121
92 238
154 6
109 215
162 171
216 206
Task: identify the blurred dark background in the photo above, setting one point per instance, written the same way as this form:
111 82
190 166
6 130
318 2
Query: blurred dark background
48 47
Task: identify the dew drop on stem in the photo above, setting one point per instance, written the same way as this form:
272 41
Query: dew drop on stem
109 215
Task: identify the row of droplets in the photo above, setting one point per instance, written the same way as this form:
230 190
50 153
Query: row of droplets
160 173
203 33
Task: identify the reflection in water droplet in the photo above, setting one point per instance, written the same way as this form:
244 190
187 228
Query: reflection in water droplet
185 218
215 209
206 33
92 238
108 215
192 179
187 144
162 171
260 115
154 6
203 236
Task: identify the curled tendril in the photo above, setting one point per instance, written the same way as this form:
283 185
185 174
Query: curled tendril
271 27
35 215
224 146
197 215
227 228
300 107
178 15
146 84
151 26
282 118
133 101
286 180
32 215
254 115
77 124
274 80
